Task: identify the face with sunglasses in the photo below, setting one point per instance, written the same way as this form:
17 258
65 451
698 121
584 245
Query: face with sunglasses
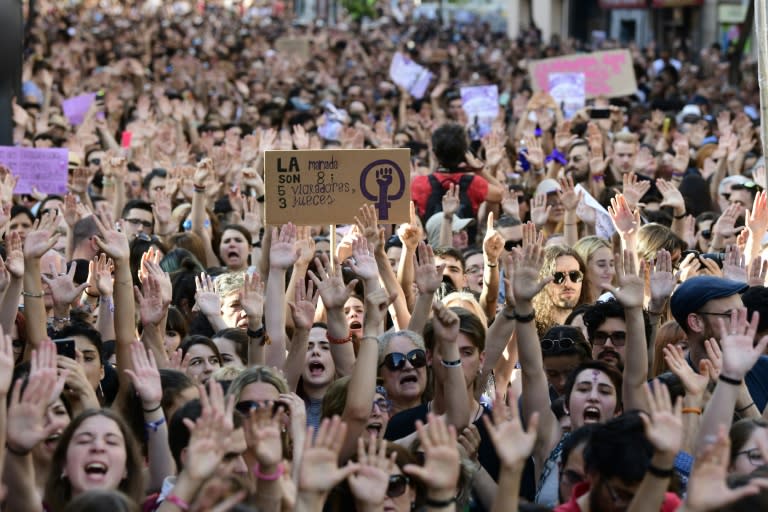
404 373
567 278
609 341
400 493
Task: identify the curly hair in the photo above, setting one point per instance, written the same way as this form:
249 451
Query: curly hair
542 302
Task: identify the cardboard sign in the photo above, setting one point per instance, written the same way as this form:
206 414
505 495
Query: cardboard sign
329 186
294 47
568 90
607 73
409 75
481 103
45 169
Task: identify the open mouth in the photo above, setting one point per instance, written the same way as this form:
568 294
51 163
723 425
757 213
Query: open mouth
374 428
316 368
355 325
96 470
592 415
233 255
410 378
52 440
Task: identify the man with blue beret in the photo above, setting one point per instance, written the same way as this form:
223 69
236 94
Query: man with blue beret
696 304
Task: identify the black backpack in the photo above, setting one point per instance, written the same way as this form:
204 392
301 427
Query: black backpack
435 201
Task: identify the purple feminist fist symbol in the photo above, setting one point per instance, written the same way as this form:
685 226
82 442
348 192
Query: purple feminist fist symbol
385 170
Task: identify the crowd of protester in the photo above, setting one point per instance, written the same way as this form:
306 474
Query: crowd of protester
512 347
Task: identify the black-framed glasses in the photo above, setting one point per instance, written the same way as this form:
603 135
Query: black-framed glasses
706 234
754 455
561 344
575 276
137 222
396 360
511 244
618 338
397 485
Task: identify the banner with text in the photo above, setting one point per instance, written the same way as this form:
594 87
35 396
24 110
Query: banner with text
44 169
329 186
608 73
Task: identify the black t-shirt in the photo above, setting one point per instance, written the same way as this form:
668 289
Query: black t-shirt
403 424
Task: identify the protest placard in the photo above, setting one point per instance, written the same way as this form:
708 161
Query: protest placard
75 108
329 186
294 47
592 212
568 91
481 103
409 75
45 169
608 73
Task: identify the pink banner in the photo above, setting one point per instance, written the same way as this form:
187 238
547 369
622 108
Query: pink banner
608 73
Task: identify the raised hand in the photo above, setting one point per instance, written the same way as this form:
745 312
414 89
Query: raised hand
756 220
633 189
451 201
330 284
539 210
493 242
411 233
427 276
631 287
367 224
725 224
694 383
64 291
662 280
100 276
43 236
252 216
304 305
671 194
758 270
664 426
440 472
7 362
14 256
112 242
320 471
568 195
363 264
283 252
734 264
445 323
262 434
527 268
369 483
252 296
145 376
510 204
513 443
150 301
206 298
740 353
625 220
162 208
209 433
535 152
305 245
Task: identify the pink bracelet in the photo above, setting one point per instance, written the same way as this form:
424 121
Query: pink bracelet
175 500
269 478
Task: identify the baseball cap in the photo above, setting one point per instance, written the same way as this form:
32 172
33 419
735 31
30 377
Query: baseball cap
695 292
433 227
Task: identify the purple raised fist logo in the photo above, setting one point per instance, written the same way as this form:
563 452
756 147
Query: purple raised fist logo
386 172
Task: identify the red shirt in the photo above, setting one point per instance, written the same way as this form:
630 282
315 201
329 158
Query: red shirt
671 500
421 189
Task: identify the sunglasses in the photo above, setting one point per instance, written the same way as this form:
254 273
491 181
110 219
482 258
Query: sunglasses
396 360
244 407
561 344
618 338
706 234
397 485
511 244
574 275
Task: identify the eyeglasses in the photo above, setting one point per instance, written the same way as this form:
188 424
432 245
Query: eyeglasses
244 407
618 338
383 404
397 485
560 344
575 276
511 244
137 222
706 234
396 360
754 455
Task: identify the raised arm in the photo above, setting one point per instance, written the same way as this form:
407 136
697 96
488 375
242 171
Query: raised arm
303 313
570 199
252 302
740 353
428 279
202 180
410 234
493 245
14 264
334 294
38 241
630 294
452 397
451 203
282 256
627 223
535 398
